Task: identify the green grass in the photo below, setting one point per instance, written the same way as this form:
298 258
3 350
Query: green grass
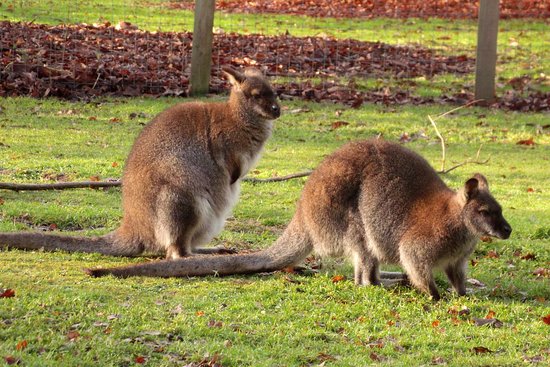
277 319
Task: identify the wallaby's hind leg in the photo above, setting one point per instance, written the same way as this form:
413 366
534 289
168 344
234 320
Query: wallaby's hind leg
457 276
175 225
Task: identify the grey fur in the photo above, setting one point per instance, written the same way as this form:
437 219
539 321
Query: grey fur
373 202
182 176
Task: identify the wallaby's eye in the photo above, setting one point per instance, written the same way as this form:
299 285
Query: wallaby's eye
484 212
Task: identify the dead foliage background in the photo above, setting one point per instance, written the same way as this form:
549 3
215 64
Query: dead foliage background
83 61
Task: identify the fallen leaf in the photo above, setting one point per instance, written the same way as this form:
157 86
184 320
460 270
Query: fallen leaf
73 335
22 345
527 142
530 190
435 323
139 359
541 272
490 315
492 254
486 239
115 119
2 201
338 124
476 283
464 311
529 256
533 359
7 293
377 357
404 138
323 357
11 360
338 278
481 350
214 323
114 164
438 360
496 323
199 313
94 178
92 118
546 319
357 102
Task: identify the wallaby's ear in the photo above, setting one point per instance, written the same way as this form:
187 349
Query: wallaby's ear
235 77
482 181
471 188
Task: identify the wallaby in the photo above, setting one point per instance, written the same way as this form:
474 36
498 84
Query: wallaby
374 202
182 176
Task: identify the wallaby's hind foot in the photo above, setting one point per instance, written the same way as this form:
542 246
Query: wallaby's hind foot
216 250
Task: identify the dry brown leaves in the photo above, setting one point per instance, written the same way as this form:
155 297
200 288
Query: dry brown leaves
83 61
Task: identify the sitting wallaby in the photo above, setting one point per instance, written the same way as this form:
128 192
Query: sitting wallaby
182 176
374 202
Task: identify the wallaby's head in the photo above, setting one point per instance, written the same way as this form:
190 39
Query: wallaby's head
254 92
481 211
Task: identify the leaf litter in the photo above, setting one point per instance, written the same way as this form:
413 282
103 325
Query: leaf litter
82 61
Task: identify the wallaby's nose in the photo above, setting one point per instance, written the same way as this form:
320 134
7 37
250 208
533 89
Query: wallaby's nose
506 231
276 110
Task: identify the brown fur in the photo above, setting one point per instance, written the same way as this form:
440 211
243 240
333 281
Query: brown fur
182 176
373 202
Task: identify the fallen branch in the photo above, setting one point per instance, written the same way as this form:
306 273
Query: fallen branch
59 185
102 184
277 179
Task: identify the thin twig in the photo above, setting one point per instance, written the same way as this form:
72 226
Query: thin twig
279 178
443 152
469 161
458 108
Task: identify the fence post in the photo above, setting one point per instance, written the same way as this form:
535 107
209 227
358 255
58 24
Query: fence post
486 59
201 54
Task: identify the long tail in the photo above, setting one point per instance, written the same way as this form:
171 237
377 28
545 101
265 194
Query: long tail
292 247
109 244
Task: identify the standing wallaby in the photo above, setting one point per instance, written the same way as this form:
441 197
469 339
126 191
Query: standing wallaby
182 177
373 202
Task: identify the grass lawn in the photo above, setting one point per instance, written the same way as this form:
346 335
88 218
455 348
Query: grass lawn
59 316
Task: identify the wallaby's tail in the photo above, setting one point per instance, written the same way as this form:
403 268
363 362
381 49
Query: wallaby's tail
292 247
109 244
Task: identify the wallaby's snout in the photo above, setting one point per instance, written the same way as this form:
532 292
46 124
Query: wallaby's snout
275 110
504 231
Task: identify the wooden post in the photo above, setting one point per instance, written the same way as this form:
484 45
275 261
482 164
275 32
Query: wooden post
201 56
486 59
